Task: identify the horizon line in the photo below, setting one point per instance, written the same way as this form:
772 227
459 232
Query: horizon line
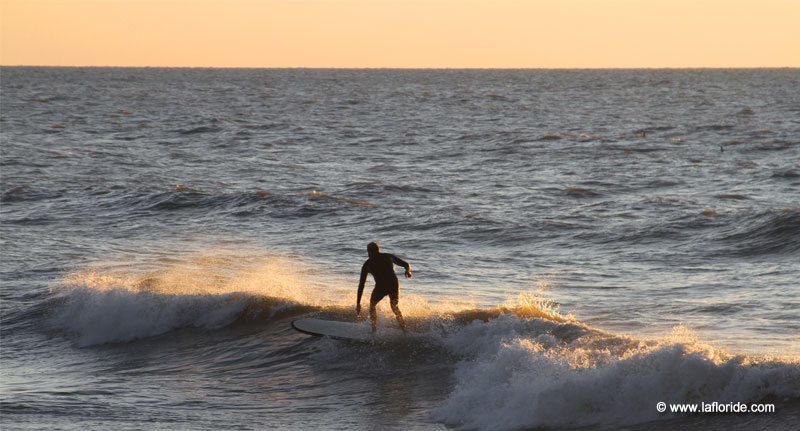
399 67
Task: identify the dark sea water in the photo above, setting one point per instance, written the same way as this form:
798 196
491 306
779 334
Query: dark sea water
585 245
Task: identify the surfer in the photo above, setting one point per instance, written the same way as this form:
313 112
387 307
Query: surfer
381 266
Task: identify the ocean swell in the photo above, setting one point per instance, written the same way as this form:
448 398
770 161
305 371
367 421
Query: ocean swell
769 232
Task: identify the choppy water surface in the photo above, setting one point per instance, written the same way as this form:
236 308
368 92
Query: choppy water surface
585 244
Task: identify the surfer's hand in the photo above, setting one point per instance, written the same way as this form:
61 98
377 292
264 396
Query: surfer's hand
408 273
358 309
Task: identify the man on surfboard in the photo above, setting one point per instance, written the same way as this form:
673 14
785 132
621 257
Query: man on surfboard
381 266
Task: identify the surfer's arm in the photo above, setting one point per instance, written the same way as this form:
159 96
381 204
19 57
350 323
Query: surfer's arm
361 281
403 263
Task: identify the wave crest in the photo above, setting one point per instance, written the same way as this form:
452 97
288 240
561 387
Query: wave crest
769 232
205 291
529 373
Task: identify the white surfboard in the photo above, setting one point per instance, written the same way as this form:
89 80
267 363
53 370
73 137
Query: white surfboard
356 331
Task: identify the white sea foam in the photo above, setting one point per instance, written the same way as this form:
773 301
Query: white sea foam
101 306
525 373
122 315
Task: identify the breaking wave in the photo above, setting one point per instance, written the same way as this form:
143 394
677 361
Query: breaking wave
530 373
205 291
515 366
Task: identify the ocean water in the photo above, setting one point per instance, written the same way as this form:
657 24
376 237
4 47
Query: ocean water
585 244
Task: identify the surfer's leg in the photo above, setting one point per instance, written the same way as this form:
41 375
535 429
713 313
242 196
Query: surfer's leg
373 316
394 298
377 294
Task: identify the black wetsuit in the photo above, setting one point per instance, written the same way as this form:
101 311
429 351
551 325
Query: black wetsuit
382 269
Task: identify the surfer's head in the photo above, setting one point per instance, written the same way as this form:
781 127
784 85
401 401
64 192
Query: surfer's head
373 249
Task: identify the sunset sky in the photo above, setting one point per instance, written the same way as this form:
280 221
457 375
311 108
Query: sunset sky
397 33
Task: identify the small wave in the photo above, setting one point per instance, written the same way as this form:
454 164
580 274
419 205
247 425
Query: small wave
714 127
747 164
663 183
671 201
732 196
770 232
14 194
200 129
407 188
654 129
549 137
717 309
678 229
470 137
30 221
637 149
580 192
186 198
773 146
25 193
786 173
48 99
314 194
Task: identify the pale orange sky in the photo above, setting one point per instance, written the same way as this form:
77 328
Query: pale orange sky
397 33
